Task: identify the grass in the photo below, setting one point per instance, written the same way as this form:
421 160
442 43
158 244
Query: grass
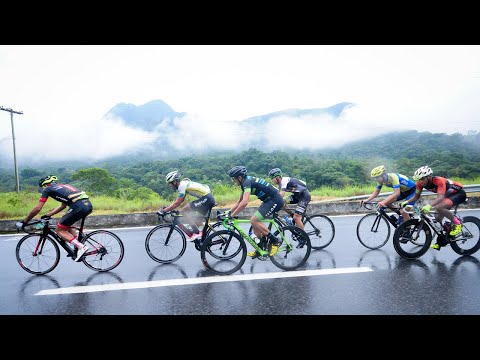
15 206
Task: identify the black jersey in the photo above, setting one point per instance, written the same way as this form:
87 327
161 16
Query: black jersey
64 193
258 187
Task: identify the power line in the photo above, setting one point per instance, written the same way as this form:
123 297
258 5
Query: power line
13 138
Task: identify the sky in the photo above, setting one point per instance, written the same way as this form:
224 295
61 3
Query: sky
65 91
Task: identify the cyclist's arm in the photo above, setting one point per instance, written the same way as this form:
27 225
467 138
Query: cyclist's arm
57 210
175 204
391 198
243 202
373 196
36 209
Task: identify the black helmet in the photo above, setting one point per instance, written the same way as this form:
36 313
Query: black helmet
47 180
275 172
237 171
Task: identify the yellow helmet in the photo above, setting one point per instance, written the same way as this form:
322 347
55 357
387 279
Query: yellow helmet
379 170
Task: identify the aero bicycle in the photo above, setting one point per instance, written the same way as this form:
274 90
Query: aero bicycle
38 252
373 230
412 239
224 251
166 243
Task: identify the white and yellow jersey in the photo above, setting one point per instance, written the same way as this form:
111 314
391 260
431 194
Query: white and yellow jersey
193 188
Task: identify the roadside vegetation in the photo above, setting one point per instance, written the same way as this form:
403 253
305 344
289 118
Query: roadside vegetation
16 205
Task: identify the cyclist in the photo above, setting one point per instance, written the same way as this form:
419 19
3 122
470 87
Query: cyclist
79 207
449 193
403 188
300 194
204 202
272 202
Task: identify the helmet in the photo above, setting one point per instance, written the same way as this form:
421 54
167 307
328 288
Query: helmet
47 180
275 172
379 170
172 176
237 171
422 172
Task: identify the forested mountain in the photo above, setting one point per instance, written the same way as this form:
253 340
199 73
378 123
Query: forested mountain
449 155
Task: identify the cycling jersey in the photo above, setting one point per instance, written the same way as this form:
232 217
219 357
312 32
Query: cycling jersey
64 193
262 189
293 185
441 185
396 180
193 188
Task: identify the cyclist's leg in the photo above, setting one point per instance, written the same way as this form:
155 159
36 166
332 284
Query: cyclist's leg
406 196
303 201
456 199
78 210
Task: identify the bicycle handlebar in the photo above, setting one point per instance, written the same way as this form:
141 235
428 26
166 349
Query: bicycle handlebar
44 223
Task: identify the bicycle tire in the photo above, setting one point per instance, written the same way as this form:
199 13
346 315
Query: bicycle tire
164 248
320 230
106 250
220 252
470 233
412 239
296 255
42 263
373 231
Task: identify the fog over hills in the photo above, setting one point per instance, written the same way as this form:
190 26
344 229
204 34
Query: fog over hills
156 131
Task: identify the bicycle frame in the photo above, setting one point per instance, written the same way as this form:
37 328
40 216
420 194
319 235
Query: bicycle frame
175 214
382 212
48 230
231 224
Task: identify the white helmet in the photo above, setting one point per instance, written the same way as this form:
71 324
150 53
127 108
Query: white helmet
172 176
422 172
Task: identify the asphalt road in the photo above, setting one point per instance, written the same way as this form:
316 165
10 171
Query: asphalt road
343 279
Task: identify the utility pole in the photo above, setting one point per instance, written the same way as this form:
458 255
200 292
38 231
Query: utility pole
13 138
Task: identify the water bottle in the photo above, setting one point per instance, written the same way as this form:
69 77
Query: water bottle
400 220
288 220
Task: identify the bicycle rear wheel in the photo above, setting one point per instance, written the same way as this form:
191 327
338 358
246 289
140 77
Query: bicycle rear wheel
293 252
412 239
373 231
223 252
165 243
468 241
320 229
106 250
37 254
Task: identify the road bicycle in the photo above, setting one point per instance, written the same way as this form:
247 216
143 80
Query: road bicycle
166 243
38 252
373 230
412 239
224 251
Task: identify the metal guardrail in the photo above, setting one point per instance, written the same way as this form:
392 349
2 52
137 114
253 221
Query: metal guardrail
467 188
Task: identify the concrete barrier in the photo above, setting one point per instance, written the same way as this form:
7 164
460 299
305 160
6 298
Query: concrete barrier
148 219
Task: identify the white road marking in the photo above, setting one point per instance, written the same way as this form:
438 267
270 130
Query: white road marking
201 280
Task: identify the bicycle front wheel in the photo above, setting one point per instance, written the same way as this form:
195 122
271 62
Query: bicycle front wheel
106 250
37 254
373 231
165 243
320 230
468 241
223 252
412 239
294 250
